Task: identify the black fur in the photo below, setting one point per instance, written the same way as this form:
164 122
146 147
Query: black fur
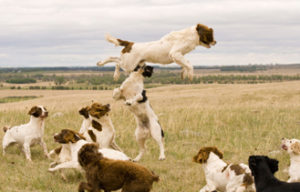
263 169
162 133
148 70
144 97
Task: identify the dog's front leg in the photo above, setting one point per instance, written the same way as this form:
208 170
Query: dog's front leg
135 99
117 93
208 188
83 186
43 144
187 68
26 149
68 164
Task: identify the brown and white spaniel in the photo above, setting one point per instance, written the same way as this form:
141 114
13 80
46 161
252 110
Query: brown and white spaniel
170 48
221 176
28 134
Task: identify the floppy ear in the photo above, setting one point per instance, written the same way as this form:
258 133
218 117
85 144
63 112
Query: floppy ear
84 112
273 165
295 147
35 111
218 152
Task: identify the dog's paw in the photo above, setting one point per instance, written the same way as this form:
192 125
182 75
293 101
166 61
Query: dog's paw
116 75
129 102
99 63
52 169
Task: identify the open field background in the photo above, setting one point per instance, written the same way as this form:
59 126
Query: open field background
240 119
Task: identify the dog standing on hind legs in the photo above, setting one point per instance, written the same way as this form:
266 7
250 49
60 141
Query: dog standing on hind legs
132 91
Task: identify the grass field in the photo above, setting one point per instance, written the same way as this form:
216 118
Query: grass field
240 119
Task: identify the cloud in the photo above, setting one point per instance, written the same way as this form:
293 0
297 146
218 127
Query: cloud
72 32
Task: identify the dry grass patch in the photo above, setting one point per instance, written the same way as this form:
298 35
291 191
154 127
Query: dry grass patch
239 119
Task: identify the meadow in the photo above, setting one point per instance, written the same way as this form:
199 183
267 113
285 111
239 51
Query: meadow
240 119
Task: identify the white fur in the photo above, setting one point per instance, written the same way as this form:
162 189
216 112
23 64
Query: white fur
70 155
106 137
27 135
170 48
131 91
294 169
223 181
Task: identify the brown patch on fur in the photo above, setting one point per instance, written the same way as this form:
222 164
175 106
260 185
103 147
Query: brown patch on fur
58 150
92 135
67 136
248 180
96 125
204 152
295 147
206 34
225 168
127 45
125 175
98 110
237 169
5 129
84 112
35 111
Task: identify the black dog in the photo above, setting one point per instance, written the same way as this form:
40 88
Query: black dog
263 169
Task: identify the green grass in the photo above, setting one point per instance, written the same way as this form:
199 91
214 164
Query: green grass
11 99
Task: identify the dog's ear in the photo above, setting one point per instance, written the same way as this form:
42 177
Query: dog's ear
35 111
217 152
273 165
89 153
295 147
84 112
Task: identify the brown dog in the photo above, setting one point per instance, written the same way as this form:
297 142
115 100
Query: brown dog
110 175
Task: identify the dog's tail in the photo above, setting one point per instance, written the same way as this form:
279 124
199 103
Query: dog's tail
112 39
117 42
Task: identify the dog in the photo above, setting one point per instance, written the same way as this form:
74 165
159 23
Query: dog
111 175
263 169
72 142
97 126
132 91
221 176
29 134
170 48
292 146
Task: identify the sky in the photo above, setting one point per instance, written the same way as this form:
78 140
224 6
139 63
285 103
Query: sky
48 33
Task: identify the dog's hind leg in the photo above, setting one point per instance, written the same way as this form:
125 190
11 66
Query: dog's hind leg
141 137
156 133
108 60
114 146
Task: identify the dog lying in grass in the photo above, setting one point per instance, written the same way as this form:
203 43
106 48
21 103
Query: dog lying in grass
110 175
263 169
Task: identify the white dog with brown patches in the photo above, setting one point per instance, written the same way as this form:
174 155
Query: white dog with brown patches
132 91
28 134
72 142
97 126
292 146
221 176
170 48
